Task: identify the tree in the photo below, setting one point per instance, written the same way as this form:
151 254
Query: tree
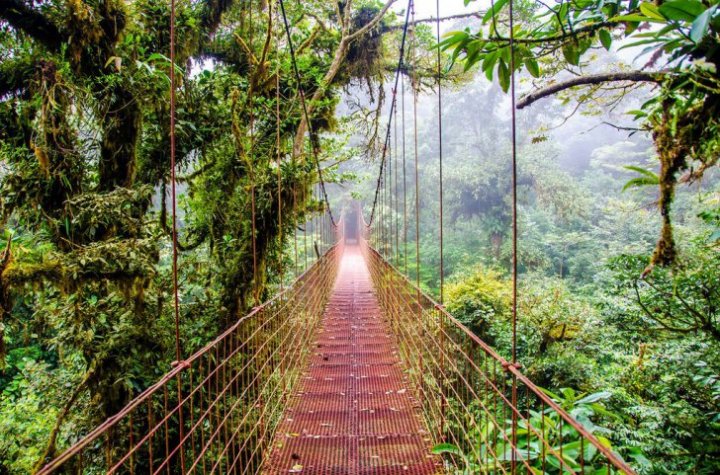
681 37
84 142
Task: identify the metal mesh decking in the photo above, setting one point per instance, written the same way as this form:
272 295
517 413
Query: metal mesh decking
354 412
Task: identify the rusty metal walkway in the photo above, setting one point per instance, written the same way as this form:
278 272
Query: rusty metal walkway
354 411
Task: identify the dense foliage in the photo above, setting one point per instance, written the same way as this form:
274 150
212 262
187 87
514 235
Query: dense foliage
616 299
619 307
86 317
680 38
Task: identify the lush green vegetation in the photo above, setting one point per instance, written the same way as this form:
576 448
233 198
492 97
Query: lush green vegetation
619 237
617 300
86 317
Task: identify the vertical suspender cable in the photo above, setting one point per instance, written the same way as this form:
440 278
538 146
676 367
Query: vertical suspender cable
253 228
440 153
381 232
388 186
314 140
381 209
295 233
415 150
391 213
392 108
176 297
397 191
383 212
513 134
278 156
404 166
513 128
305 228
440 224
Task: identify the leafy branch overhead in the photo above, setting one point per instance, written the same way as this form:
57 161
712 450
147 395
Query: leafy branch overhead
679 40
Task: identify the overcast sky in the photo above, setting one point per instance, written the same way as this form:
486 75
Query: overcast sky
427 8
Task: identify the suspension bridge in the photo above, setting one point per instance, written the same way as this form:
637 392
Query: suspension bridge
351 369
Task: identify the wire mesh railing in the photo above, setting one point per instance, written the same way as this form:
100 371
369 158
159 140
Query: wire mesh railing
484 414
216 411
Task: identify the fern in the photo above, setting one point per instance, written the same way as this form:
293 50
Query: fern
646 178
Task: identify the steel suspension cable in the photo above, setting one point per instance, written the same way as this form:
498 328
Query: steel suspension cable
176 298
513 128
305 227
278 156
390 207
173 187
314 140
513 138
398 70
383 240
405 219
253 228
397 193
278 159
413 86
440 152
390 203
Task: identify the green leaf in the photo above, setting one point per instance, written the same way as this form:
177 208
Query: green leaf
636 18
157 57
553 395
452 38
605 39
640 170
682 10
446 448
494 10
595 396
571 54
647 178
637 455
701 24
651 10
532 66
504 75
638 183
489 73
489 61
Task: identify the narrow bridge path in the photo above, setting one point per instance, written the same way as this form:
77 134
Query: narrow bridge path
354 412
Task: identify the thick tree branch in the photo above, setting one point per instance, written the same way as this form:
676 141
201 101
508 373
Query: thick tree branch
432 19
631 76
372 23
338 58
31 22
309 40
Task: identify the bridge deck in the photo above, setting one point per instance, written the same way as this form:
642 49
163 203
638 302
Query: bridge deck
354 412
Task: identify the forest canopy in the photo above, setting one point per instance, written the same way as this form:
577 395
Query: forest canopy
619 282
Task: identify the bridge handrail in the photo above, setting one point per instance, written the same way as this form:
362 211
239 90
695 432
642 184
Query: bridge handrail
514 370
178 368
